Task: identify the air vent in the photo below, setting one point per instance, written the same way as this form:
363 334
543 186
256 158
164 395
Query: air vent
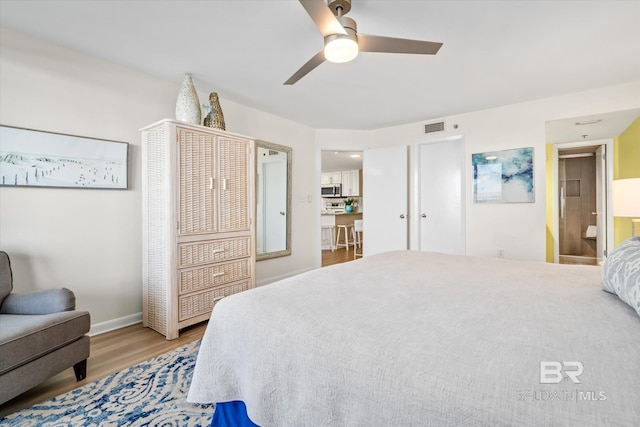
434 127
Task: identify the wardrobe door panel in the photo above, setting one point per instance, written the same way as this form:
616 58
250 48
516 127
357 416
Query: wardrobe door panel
197 182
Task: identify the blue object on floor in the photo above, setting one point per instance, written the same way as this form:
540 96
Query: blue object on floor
231 414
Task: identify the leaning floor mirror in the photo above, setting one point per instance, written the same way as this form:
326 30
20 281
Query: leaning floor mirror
273 200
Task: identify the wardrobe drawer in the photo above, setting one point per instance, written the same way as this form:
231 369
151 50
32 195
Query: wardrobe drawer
200 278
209 251
193 305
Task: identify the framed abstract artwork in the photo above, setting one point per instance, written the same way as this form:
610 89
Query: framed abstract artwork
503 176
34 158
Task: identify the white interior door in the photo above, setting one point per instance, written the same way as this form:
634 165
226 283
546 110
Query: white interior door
275 206
385 198
601 203
441 170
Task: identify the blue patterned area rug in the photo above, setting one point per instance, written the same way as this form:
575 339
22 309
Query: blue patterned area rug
152 393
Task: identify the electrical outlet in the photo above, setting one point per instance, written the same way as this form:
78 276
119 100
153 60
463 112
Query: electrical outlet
500 253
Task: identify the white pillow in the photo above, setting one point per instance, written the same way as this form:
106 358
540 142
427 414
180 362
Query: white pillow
621 272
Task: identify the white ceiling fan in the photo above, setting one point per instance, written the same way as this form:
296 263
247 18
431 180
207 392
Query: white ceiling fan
342 41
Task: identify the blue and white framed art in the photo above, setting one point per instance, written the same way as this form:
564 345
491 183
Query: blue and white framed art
34 158
503 176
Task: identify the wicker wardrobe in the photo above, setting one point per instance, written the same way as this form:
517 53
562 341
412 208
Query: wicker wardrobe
198 222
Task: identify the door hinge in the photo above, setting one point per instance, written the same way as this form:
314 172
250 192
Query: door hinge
177 225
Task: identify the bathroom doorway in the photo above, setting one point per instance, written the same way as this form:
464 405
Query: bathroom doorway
582 204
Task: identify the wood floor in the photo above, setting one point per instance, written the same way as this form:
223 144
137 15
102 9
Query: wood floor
110 352
577 259
338 256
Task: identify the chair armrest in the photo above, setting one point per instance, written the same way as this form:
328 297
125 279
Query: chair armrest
40 302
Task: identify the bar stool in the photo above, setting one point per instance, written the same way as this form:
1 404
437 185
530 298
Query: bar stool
357 237
346 243
332 232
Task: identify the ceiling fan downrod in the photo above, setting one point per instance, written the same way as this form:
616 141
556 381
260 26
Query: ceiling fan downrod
340 7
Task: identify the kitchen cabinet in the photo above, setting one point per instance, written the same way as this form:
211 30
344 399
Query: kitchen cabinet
351 183
331 178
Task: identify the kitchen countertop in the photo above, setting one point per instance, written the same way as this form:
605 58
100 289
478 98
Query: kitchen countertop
340 213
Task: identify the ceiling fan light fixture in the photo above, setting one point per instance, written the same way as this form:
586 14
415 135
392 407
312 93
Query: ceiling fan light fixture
340 48
342 42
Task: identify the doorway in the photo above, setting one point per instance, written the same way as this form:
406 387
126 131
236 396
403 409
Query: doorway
341 173
582 203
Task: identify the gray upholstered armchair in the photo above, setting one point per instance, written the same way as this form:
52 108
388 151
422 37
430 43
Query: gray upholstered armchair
41 335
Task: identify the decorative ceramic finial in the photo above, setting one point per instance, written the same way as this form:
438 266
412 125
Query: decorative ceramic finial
188 105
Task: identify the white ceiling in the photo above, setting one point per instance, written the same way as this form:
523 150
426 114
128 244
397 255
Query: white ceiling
590 128
494 53
332 161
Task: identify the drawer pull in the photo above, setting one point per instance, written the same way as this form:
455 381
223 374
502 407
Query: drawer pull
218 251
218 274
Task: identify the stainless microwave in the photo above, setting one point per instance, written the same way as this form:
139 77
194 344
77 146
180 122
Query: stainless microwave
331 190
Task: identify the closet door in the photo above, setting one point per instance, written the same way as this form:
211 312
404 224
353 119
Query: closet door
233 185
441 205
197 158
385 190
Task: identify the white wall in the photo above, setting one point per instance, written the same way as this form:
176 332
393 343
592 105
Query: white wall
90 240
518 229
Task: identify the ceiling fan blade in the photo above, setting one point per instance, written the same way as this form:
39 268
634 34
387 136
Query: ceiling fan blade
325 20
392 45
306 68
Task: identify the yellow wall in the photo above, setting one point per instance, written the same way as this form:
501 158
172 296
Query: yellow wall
549 168
626 164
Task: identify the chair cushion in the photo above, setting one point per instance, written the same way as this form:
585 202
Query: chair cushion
6 279
24 338
39 302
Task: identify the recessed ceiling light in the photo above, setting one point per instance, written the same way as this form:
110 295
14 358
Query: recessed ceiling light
355 156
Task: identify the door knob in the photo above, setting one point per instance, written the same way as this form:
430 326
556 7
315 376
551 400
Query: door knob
402 216
424 215
594 213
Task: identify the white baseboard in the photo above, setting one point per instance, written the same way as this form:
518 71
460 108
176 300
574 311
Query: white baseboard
132 319
283 276
111 325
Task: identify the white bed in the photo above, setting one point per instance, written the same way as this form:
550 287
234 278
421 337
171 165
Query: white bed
413 338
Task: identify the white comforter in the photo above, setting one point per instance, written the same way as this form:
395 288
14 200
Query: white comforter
412 339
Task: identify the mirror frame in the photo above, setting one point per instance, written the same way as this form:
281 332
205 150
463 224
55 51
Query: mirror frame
288 150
